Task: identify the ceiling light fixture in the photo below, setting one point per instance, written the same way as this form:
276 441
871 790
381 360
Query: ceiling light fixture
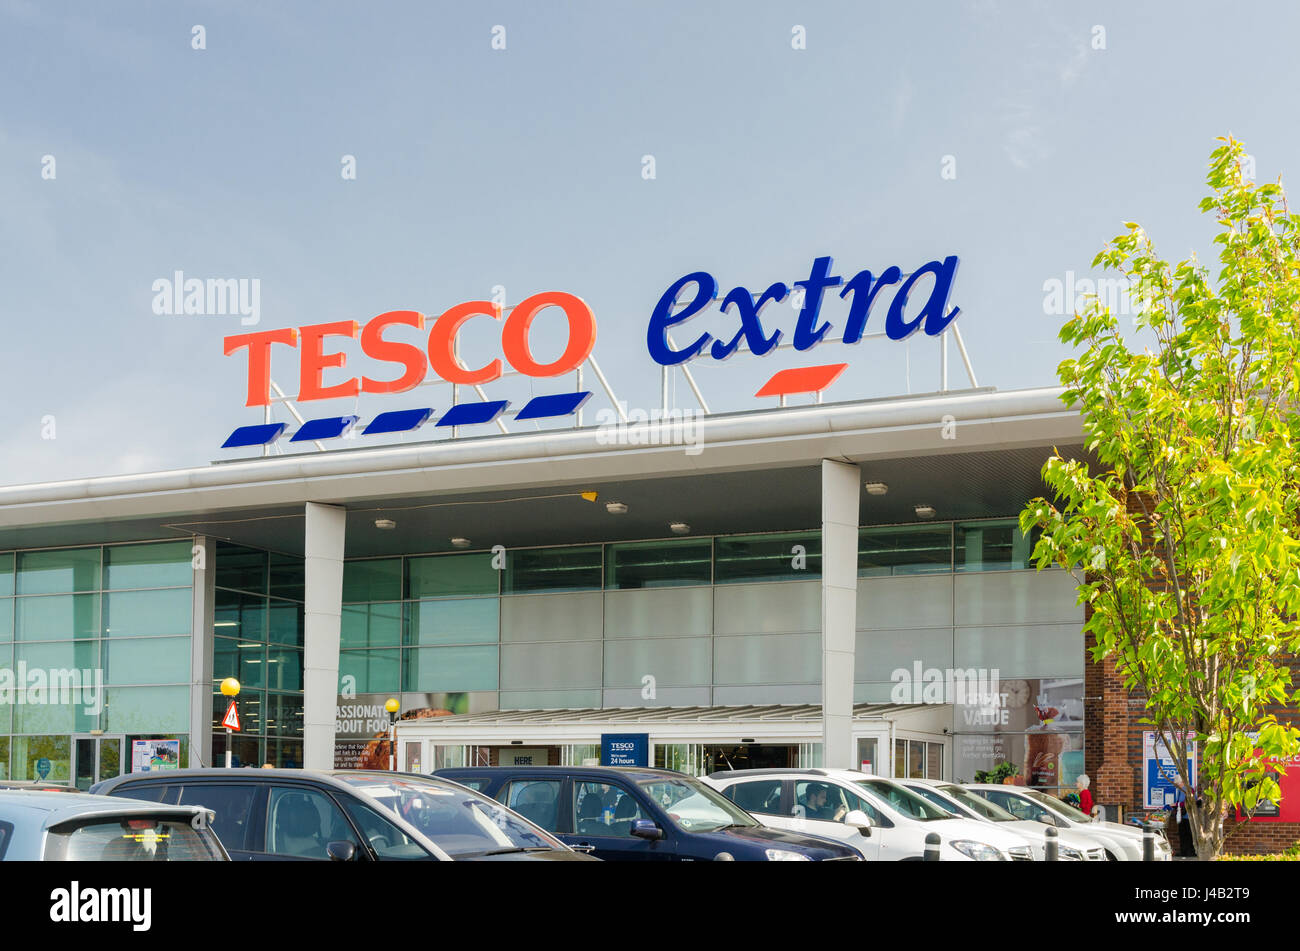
875 488
460 542
679 528
924 511
616 508
387 524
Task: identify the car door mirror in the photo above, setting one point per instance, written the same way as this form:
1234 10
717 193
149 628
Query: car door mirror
860 819
341 851
1050 819
646 829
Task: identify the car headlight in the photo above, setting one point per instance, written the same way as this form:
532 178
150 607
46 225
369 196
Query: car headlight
1072 855
782 855
977 851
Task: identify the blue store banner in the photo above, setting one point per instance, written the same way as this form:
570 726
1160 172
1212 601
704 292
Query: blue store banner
625 749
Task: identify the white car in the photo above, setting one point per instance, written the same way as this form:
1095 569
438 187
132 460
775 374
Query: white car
878 817
1122 843
959 799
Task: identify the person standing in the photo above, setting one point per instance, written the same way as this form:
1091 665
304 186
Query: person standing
1085 797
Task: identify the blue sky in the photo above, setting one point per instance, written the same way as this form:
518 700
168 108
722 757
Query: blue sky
522 167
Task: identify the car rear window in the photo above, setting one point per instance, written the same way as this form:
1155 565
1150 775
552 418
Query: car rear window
134 838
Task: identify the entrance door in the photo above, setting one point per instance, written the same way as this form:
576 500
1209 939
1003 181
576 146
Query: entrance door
748 756
96 758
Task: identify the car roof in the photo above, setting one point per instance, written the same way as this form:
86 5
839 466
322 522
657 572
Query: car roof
216 773
850 774
57 807
630 772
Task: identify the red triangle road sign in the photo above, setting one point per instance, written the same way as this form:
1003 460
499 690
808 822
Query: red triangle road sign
231 720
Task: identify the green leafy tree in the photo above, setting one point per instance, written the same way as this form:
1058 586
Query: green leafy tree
1184 532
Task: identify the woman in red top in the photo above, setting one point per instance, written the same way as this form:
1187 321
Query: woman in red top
1085 797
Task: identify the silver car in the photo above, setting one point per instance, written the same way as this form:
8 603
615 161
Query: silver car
78 827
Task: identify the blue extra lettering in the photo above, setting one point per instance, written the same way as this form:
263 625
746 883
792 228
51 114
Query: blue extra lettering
751 327
896 328
663 317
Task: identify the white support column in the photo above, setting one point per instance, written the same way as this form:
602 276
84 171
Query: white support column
323 608
203 564
841 484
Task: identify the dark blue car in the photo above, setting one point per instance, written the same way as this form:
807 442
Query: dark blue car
634 814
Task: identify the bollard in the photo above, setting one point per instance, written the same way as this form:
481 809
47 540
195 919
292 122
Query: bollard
932 847
1052 848
1148 844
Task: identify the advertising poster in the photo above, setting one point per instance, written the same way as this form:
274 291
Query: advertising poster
1286 773
1160 770
1032 727
149 756
361 724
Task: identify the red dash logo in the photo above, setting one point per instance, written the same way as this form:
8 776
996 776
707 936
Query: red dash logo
802 380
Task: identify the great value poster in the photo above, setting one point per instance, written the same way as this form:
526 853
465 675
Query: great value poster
1160 769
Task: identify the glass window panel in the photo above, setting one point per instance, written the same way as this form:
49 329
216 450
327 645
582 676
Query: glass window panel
900 759
283 668
80 715
285 622
371 625
440 576
455 621
6 619
286 754
933 761
28 751
372 579
161 565
284 714
659 564
140 709
251 705
916 759
767 558
904 550
51 572
57 617
245 751
243 660
148 660
438 669
6 574
239 615
376 671
993 546
576 568
242 568
62 655
131 613
288 576
4 755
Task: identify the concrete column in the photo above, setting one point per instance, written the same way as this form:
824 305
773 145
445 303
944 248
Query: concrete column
202 646
323 609
841 486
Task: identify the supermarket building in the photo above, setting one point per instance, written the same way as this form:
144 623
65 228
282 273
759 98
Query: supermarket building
784 593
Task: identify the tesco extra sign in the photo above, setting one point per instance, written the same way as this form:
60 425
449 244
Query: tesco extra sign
439 355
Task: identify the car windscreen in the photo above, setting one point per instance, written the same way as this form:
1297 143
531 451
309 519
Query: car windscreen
905 801
460 822
1056 805
695 807
131 838
978 804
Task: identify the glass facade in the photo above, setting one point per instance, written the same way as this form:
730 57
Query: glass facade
95 646
258 639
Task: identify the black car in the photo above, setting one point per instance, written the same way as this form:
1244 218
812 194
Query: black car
636 814
345 815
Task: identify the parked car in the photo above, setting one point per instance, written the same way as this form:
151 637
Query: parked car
876 816
959 799
641 814
1121 843
77 827
345 815
35 785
